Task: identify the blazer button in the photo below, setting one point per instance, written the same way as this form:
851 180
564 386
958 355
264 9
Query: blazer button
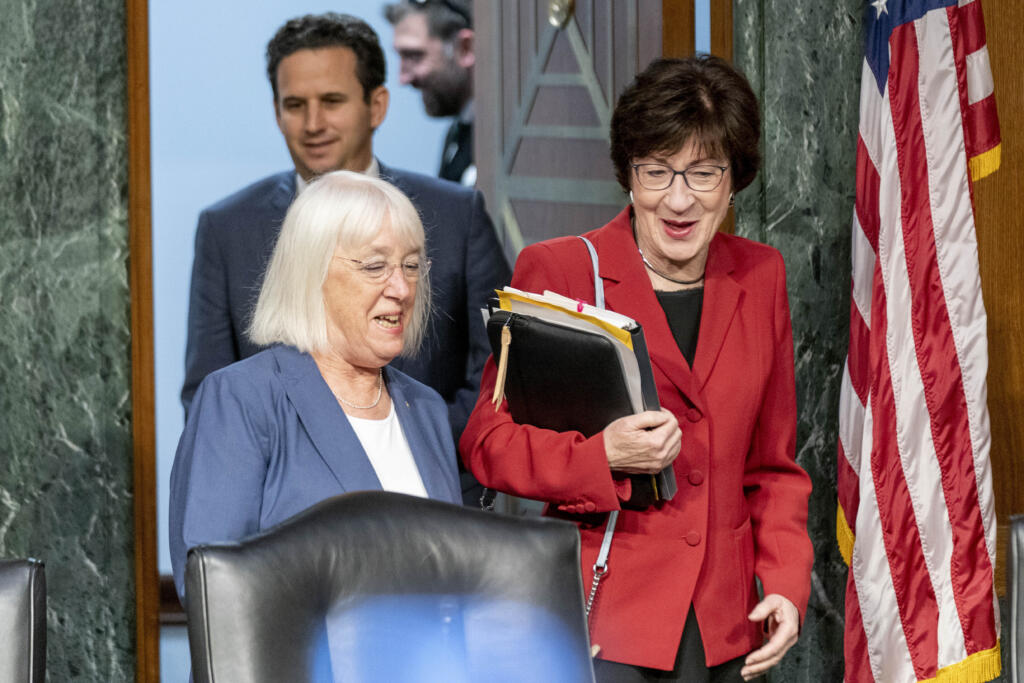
693 538
590 506
695 477
693 415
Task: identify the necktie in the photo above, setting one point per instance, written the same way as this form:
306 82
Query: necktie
458 151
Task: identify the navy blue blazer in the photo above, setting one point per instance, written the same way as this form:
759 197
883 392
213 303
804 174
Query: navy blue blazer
236 236
266 439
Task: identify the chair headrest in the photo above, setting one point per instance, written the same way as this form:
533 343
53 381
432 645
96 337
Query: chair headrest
260 605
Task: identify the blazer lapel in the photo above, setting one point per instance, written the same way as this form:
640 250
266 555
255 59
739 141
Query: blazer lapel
426 451
627 289
277 201
721 299
283 194
387 173
325 422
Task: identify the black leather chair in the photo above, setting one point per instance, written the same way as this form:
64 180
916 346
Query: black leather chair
377 586
1015 597
22 621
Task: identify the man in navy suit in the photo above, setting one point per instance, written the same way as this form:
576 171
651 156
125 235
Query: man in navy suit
327 75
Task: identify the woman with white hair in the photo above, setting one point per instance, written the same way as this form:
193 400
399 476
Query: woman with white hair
319 413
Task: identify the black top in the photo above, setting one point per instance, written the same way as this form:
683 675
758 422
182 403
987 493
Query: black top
682 309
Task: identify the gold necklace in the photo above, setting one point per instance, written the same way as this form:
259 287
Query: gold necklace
380 392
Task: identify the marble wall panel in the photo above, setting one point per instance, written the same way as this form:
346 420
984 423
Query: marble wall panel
65 438
803 57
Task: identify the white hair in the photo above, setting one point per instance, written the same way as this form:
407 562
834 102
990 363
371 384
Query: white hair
343 209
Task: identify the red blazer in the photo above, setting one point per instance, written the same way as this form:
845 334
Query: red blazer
741 509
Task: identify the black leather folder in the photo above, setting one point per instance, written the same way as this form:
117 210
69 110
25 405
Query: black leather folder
568 379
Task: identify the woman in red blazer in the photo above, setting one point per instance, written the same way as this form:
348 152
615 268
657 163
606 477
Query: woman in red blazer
680 593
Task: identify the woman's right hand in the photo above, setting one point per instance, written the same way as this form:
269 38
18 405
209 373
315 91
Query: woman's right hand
645 443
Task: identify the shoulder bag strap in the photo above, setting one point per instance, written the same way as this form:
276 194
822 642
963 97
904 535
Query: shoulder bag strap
601 565
598 282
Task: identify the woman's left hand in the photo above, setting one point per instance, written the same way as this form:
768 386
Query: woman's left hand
782 625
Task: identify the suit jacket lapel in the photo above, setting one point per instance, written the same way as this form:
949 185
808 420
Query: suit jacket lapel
278 200
324 421
627 288
283 193
425 450
387 173
721 299
396 178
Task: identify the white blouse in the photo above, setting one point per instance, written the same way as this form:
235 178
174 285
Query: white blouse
386 446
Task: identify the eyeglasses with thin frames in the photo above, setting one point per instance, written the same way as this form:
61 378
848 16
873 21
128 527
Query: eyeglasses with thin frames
380 271
699 178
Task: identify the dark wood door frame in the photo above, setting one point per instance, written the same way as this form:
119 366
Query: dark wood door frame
140 278
678 29
678 38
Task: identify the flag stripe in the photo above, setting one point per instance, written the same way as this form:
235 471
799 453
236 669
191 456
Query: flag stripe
980 116
971 27
880 615
914 482
864 257
858 360
936 277
956 398
909 572
879 606
974 76
872 111
849 497
855 645
913 356
979 76
866 204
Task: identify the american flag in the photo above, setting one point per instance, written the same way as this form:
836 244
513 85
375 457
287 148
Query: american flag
916 521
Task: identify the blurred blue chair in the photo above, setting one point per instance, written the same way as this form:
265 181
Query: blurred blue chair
22 621
377 586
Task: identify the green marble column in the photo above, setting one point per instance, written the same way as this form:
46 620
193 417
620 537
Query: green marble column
804 59
65 438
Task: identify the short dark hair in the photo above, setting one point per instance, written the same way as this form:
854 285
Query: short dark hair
445 18
330 29
702 98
